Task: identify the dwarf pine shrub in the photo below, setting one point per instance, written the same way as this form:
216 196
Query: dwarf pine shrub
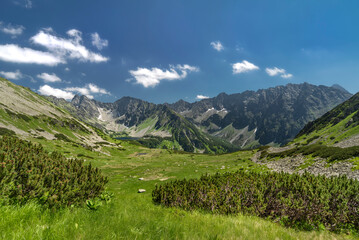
316 150
28 172
303 201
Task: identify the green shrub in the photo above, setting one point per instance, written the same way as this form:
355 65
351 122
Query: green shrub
27 172
312 139
60 136
8 132
17 115
83 155
318 150
302 201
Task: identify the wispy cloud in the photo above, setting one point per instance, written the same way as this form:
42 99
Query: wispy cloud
152 77
12 30
287 75
67 48
278 71
47 77
14 53
24 3
50 91
28 4
98 42
244 66
200 97
217 45
274 71
12 75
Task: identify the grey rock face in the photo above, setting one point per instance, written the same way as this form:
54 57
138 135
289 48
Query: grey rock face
277 114
248 119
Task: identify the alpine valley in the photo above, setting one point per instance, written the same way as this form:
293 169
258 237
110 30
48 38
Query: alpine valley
224 123
82 169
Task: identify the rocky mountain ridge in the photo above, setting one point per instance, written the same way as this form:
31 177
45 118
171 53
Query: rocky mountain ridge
267 116
249 119
159 125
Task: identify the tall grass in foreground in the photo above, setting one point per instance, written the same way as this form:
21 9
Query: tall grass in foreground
133 216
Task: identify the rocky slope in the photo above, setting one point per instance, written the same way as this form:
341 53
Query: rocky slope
317 166
29 115
267 116
339 127
249 119
157 125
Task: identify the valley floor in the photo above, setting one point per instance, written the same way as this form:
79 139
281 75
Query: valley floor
133 215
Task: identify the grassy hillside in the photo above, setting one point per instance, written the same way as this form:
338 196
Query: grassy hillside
184 135
29 115
131 215
338 125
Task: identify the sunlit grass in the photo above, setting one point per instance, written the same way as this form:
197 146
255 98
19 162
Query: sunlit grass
131 215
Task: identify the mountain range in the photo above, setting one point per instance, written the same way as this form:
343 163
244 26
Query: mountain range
271 116
221 124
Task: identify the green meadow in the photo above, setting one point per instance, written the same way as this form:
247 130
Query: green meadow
133 215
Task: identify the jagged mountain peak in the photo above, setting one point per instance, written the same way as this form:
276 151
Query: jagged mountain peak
251 118
179 106
80 99
337 86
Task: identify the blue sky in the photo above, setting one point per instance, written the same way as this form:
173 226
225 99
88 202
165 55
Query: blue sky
163 50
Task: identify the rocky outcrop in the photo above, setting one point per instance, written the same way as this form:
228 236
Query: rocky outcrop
300 164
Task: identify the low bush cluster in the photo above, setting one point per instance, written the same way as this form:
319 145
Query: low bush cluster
17 115
60 136
27 172
8 132
316 150
302 201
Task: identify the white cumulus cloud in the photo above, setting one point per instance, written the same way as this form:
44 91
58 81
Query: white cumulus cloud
14 53
244 66
278 71
201 97
88 90
98 42
152 77
14 31
75 34
81 90
287 75
12 75
95 89
71 47
50 91
275 71
217 45
47 77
